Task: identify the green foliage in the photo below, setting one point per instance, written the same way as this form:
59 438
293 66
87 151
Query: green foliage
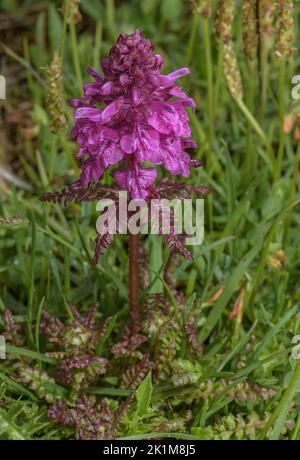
20 420
213 357
143 395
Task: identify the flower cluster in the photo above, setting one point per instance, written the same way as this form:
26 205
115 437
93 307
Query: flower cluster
133 115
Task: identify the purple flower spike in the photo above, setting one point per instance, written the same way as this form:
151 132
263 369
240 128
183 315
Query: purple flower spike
133 114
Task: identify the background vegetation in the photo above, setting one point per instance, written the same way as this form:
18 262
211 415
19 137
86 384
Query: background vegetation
213 360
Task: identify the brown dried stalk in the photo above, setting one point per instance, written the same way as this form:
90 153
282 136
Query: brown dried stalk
55 101
286 29
250 36
224 23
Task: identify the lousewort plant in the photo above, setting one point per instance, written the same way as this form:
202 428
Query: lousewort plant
132 115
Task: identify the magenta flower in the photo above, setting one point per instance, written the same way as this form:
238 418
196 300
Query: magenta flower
132 115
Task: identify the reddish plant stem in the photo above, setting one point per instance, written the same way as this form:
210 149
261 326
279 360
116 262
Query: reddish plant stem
134 280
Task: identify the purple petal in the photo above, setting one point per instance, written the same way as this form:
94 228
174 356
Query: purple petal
112 155
149 138
121 177
189 144
88 112
163 117
136 96
176 91
109 133
189 102
179 73
95 74
105 89
81 152
159 61
111 110
149 145
79 102
91 89
147 176
91 172
137 182
129 143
